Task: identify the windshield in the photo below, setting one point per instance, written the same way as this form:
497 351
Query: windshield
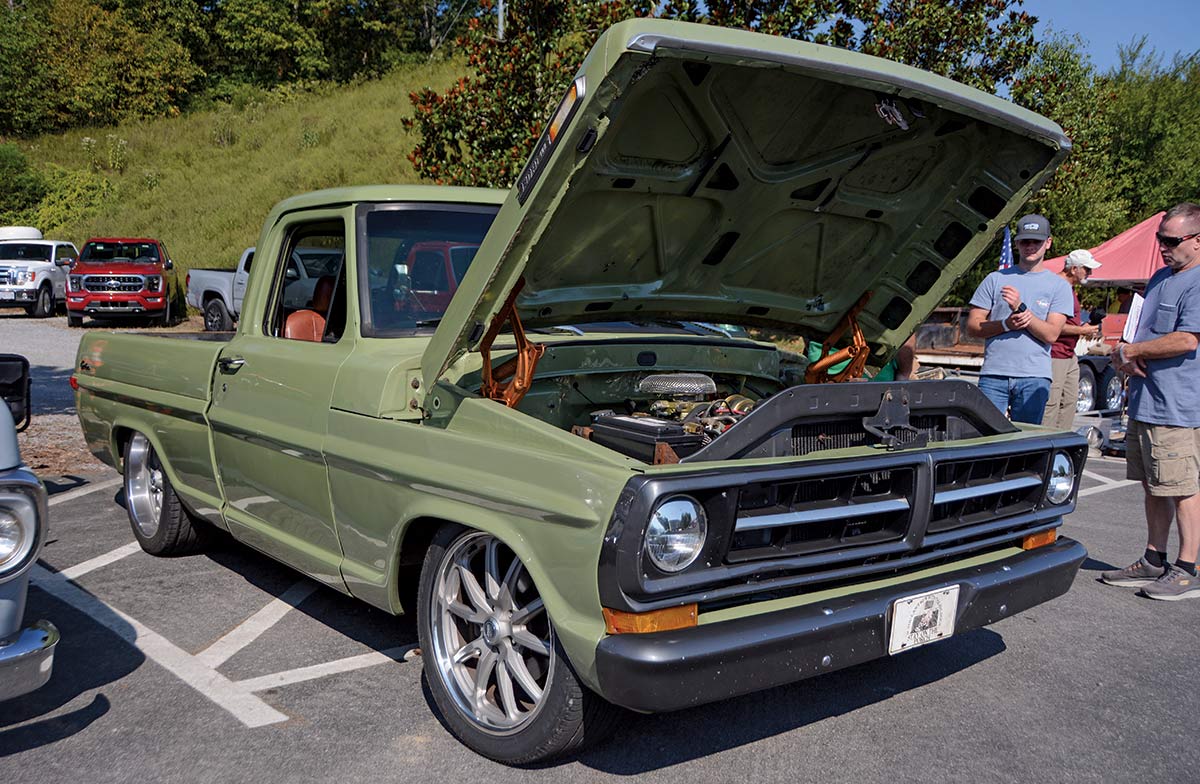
23 251
412 259
136 252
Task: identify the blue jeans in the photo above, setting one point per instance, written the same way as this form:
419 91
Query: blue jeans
1024 397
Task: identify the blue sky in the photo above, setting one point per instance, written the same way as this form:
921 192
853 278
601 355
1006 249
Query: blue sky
1169 25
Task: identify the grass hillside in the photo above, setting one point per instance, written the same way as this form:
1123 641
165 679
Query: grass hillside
203 182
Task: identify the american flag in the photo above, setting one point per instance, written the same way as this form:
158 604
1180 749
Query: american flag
1006 257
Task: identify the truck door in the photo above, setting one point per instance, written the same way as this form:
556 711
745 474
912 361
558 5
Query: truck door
270 411
64 258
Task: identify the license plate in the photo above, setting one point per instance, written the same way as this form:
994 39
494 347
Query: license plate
923 618
7 295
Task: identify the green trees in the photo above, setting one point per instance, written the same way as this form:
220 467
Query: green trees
78 62
480 131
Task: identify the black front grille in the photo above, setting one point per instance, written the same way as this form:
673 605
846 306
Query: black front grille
819 514
117 283
976 491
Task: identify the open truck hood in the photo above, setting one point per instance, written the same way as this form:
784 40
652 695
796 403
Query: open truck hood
717 175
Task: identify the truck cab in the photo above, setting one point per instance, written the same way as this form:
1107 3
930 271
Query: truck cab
119 277
33 270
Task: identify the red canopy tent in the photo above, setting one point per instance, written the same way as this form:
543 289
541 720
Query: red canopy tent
1129 258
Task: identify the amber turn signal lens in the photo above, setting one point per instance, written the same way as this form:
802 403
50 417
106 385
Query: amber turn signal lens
619 622
1040 539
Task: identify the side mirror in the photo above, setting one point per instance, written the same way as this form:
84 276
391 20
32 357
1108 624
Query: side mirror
292 274
170 265
64 261
15 388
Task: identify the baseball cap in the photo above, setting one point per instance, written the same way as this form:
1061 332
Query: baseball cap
1033 227
1081 258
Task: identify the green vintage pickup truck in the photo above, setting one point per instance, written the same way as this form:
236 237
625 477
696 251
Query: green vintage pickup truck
592 487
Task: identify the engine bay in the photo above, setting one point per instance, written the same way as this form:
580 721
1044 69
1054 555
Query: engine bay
689 417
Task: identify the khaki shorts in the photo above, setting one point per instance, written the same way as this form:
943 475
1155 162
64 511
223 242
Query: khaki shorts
1165 457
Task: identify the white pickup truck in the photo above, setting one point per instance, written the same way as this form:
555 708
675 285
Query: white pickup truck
33 270
218 293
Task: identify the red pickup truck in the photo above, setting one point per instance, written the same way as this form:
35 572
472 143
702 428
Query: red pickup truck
120 276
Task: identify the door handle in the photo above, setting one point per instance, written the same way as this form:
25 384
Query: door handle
230 364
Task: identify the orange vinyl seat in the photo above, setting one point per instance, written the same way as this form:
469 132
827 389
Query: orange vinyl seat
309 324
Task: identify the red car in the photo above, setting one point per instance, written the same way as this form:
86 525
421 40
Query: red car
117 277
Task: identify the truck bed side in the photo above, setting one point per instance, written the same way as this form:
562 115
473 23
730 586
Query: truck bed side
158 385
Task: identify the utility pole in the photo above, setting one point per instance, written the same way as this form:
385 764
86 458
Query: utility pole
500 20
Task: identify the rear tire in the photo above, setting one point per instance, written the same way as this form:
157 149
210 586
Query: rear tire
1112 389
160 523
478 610
216 316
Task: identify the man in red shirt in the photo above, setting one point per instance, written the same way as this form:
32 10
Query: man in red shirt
1064 386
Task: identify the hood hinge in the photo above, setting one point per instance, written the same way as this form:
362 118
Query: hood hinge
509 382
856 353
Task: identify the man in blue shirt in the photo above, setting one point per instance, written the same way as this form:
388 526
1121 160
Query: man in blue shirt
1162 444
1020 311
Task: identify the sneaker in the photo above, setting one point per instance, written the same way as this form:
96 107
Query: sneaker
1174 585
1140 573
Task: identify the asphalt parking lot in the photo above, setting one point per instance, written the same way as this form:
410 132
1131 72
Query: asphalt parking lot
227 667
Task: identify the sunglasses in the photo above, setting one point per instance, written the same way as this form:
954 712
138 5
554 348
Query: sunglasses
1173 242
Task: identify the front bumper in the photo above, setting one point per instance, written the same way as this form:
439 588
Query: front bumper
667 671
27 660
105 304
14 297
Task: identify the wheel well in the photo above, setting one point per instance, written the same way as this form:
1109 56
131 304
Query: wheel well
208 297
417 537
120 437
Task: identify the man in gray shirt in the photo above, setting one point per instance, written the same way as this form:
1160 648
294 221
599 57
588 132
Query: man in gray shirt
1162 444
1020 311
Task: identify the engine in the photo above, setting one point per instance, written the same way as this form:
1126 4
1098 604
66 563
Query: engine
685 414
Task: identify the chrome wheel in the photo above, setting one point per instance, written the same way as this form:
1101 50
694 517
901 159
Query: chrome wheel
1114 392
493 645
143 485
1086 400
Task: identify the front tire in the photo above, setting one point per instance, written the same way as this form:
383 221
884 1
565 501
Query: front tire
494 666
160 523
43 306
74 320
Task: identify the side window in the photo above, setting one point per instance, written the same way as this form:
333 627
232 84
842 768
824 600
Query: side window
460 259
309 299
249 261
429 271
65 253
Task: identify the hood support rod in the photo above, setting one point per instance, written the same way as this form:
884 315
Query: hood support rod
855 354
509 382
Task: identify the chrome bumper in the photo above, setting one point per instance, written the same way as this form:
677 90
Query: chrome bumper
27 660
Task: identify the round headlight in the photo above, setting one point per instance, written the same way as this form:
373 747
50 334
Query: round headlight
12 538
676 533
1062 479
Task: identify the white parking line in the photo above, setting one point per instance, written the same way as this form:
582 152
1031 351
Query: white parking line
245 707
1106 480
78 570
253 627
1111 486
70 495
348 664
